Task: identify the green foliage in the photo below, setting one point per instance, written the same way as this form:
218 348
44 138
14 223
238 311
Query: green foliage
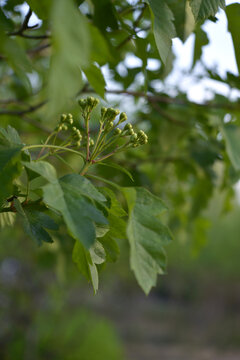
96 222
233 13
147 236
45 67
202 9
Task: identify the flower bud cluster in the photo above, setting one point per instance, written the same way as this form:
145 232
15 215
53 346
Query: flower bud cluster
66 123
139 139
87 105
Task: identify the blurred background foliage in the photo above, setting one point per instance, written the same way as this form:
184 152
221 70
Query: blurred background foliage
53 52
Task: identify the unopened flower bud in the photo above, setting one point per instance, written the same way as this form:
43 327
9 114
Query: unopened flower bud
63 118
128 126
122 118
117 131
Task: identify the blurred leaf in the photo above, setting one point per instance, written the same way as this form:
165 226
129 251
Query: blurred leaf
163 27
201 39
231 134
7 219
71 50
183 18
10 169
41 8
104 14
146 235
233 14
202 9
95 78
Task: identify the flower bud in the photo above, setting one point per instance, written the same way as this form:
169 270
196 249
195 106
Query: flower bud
128 126
134 137
65 127
117 131
63 118
122 118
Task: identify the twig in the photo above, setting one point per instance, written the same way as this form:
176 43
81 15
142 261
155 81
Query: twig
135 24
24 27
23 112
169 100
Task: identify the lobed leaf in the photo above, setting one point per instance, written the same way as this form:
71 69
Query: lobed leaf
147 236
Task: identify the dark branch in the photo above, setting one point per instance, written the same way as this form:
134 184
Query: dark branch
25 26
22 112
169 100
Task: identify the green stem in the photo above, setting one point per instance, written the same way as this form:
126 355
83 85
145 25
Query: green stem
28 147
88 137
85 168
97 141
47 140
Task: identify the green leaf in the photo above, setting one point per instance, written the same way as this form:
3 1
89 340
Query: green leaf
71 50
202 9
95 78
163 27
7 219
10 136
231 134
71 196
183 18
111 247
104 14
41 8
117 167
82 258
146 235
233 13
43 168
35 222
201 39
85 187
10 169
97 252
78 212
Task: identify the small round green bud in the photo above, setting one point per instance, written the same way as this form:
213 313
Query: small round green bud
128 126
63 118
65 127
74 128
130 132
78 143
122 118
60 127
82 103
141 133
117 131
134 137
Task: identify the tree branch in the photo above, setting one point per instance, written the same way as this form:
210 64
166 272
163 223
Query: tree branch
169 100
22 112
24 27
